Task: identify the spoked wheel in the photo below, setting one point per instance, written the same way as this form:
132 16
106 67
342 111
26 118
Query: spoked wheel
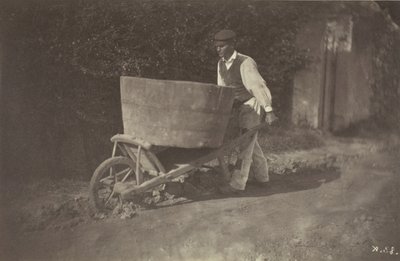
107 174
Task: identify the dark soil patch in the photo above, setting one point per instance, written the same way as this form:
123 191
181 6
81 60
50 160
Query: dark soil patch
280 139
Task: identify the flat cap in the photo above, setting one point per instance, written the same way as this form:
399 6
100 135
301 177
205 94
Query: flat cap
224 35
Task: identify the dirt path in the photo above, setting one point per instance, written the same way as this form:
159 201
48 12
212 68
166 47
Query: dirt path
348 210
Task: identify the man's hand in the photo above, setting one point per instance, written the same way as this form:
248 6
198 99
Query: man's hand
270 117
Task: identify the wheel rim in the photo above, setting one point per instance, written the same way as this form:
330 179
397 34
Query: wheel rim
119 170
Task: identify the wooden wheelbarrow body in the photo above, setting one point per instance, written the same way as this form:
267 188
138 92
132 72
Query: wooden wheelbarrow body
153 165
188 117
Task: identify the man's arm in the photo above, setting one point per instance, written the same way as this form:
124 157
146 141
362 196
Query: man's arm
255 84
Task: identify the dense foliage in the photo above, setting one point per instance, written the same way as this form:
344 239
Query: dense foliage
68 56
162 39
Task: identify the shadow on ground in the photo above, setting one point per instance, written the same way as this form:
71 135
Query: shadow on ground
198 188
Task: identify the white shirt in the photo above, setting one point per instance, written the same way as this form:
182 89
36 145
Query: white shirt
252 80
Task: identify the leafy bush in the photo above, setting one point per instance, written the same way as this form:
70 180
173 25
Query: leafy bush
64 59
162 39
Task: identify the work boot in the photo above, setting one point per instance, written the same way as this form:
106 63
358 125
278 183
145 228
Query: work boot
259 184
227 189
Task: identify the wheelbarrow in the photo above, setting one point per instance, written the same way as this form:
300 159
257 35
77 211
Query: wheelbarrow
137 166
161 117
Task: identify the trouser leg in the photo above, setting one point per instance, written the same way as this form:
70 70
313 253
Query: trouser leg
249 117
241 173
260 165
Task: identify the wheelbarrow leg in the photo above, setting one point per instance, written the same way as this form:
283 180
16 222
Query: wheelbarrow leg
225 171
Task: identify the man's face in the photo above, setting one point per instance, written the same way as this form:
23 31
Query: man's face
224 48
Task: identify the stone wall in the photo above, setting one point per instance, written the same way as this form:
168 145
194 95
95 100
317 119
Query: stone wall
307 82
354 78
335 88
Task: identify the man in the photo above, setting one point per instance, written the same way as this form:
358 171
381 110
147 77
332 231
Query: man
252 101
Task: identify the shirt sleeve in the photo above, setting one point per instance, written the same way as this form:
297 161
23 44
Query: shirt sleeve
255 84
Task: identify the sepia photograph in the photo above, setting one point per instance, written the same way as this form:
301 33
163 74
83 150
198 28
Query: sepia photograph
199 130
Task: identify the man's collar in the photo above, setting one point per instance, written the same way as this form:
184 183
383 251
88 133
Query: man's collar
233 57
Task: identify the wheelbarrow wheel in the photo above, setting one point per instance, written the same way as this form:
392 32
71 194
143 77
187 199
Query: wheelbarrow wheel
101 189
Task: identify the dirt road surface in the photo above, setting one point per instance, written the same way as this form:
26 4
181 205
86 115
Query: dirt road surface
345 209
